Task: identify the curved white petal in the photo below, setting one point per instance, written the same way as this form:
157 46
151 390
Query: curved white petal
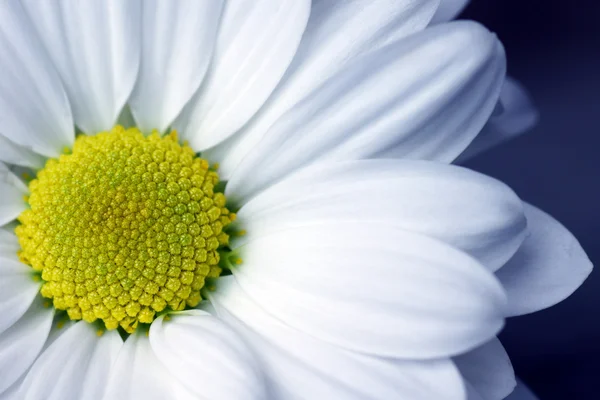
9 244
95 49
488 370
425 97
516 114
137 374
13 191
75 366
336 35
12 392
17 289
256 42
468 210
209 358
448 10
548 267
373 288
34 110
299 366
177 44
13 153
522 392
22 342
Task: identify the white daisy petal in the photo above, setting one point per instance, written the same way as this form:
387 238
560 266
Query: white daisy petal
34 109
13 191
209 358
257 41
12 392
301 367
516 115
448 10
548 267
22 342
95 48
373 288
337 33
488 370
9 243
12 153
521 392
177 46
468 210
384 107
137 374
17 289
75 366
8 177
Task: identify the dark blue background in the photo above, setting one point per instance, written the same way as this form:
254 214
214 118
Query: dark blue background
553 47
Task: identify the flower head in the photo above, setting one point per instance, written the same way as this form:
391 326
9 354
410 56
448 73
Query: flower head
247 200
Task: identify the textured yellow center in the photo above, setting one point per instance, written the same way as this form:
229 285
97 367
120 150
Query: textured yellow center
124 227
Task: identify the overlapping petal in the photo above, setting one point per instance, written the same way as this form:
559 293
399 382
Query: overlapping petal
448 10
22 342
12 153
548 267
255 44
487 371
381 106
137 374
13 191
192 356
515 115
521 392
34 108
178 38
207 357
299 366
337 34
9 245
75 366
95 48
17 289
415 297
465 209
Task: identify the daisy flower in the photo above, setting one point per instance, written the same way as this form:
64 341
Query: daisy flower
253 199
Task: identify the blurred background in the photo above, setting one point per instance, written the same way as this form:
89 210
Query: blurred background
553 48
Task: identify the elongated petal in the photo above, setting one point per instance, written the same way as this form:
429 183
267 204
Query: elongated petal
448 10
337 34
12 153
22 342
516 115
465 209
257 41
13 191
488 370
9 245
95 49
17 289
75 366
177 46
521 392
138 374
548 267
415 297
299 366
34 110
209 358
13 391
383 106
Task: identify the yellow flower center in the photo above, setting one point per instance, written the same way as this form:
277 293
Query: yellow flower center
124 227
